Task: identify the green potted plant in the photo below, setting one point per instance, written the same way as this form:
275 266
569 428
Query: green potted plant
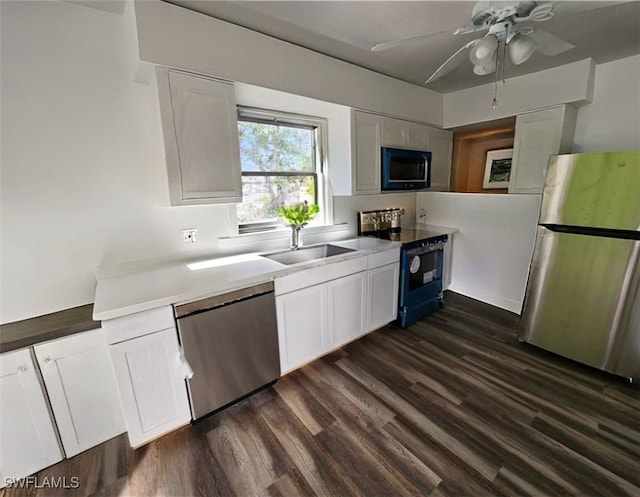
296 216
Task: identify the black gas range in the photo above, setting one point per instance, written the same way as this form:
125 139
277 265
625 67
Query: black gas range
421 262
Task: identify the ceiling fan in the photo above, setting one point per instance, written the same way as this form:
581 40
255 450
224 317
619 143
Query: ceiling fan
504 35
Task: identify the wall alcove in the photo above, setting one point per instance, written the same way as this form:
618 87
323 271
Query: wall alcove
469 157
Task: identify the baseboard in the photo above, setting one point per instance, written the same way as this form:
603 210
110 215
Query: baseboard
511 305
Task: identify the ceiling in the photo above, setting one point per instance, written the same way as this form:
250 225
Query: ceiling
347 30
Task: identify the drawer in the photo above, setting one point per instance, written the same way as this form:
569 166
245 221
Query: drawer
318 274
383 258
73 344
139 324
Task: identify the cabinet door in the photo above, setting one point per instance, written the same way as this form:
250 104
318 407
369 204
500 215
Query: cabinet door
201 138
538 136
347 307
417 136
446 263
440 145
383 295
366 157
394 133
150 376
29 441
82 389
302 326
404 134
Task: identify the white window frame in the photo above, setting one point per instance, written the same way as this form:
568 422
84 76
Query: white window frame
320 125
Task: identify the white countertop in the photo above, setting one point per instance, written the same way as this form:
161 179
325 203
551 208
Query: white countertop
177 283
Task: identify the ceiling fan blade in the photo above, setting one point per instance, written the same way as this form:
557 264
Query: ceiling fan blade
411 39
549 44
562 7
451 63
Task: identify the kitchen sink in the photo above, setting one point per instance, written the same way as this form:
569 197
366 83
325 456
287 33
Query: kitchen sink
307 254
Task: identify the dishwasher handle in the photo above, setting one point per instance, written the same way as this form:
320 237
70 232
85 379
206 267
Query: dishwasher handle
184 310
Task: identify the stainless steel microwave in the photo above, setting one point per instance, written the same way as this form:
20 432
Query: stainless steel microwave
405 169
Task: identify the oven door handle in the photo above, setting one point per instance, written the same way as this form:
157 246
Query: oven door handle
426 249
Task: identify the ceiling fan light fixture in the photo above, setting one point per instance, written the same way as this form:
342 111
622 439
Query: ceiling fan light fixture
483 70
521 47
484 50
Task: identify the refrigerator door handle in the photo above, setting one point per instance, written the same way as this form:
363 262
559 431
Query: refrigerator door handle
602 232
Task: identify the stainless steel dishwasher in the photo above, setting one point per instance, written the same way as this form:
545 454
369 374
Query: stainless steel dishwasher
231 343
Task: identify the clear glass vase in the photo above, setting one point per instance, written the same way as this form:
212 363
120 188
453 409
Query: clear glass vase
296 236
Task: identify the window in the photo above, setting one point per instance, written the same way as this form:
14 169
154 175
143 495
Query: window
282 163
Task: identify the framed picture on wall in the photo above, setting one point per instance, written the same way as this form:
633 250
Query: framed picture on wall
497 169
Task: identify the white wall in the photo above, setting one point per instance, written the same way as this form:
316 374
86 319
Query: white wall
175 37
612 121
83 173
571 83
492 250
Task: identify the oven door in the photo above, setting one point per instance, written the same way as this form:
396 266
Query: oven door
420 282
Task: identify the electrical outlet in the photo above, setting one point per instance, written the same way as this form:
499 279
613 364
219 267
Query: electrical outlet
190 235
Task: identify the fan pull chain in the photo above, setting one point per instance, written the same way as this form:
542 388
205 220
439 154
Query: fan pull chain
501 53
494 104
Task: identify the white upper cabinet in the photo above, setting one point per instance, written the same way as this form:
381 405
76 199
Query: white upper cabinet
417 137
393 132
404 134
29 441
539 135
82 389
200 127
365 130
441 147
370 132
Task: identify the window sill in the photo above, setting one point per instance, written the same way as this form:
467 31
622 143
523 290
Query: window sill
276 234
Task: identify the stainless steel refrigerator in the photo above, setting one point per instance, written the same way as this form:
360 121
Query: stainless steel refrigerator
583 292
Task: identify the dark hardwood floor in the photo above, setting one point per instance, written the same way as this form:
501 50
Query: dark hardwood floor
452 406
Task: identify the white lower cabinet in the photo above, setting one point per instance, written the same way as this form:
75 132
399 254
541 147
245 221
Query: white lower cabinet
150 371
323 308
316 308
27 434
383 284
302 326
78 375
315 320
347 299
150 376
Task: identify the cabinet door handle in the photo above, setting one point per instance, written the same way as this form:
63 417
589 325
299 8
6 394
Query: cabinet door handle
23 368
47 359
